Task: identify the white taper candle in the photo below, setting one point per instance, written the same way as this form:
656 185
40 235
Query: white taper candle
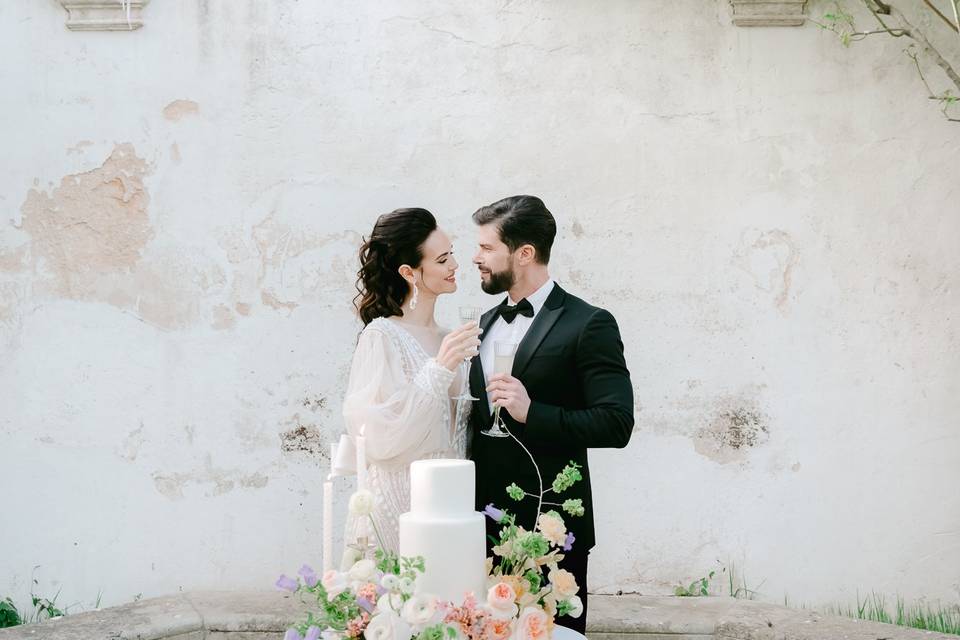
361 462
327 525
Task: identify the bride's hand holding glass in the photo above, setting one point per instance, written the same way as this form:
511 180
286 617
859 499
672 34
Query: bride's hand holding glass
459 345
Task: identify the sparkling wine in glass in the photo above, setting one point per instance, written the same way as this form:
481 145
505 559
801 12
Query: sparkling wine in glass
503 355
467 314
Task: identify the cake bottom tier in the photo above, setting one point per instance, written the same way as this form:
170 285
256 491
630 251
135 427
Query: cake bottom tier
454 554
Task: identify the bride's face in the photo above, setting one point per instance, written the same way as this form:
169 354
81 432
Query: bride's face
439 267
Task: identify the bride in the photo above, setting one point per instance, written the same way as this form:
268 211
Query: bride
405 367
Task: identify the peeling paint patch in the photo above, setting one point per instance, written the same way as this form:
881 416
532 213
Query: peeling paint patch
178 109
770 261
13 260
304 438
94 223
79 147
175 153
129 449
315 402
216 481
242 308
223 318
271 301
736 427
577 229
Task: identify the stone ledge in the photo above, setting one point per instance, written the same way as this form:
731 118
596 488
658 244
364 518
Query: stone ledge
104 15
768 13
255 615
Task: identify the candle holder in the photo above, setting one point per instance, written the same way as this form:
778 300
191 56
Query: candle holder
363 547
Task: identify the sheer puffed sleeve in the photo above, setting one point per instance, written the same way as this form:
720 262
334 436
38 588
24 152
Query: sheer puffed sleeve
401 419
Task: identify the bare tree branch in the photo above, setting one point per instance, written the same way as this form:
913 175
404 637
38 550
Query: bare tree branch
943 17
928 48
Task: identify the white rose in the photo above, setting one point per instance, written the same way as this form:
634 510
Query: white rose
390 602
421 611
576 607
349 558
390 582
406 585
531 625
387 625
334 582
361 503
363 571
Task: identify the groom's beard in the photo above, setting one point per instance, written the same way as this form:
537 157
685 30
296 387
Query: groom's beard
499 282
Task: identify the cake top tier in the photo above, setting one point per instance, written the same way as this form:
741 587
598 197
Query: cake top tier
443 488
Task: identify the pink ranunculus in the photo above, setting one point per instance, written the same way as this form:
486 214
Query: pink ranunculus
533 624
502 600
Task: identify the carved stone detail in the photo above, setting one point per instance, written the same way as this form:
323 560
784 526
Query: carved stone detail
104 15
768 13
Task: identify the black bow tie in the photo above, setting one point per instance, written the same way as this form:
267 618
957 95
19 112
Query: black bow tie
523 308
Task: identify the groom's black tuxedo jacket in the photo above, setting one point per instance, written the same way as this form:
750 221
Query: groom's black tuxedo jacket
571 363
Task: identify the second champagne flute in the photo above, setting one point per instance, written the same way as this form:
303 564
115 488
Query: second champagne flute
503 355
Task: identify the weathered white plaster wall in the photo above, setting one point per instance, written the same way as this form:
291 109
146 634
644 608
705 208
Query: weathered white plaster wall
772 218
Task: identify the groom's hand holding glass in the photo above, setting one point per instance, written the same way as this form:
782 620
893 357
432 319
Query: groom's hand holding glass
507 392
459 345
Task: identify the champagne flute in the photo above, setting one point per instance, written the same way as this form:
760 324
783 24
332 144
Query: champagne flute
503 355
467 314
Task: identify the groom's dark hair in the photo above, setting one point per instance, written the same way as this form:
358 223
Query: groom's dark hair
521 220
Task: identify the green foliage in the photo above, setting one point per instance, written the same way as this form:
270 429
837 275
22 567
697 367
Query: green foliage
567 478
699 587
927 617
531 544
574 506
515 492
9 616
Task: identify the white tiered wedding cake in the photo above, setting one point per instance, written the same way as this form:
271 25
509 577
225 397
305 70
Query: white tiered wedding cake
443 527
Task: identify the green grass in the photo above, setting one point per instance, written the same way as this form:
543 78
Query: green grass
918 616
701 586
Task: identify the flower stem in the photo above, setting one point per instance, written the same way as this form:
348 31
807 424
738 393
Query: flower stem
539 477
376 532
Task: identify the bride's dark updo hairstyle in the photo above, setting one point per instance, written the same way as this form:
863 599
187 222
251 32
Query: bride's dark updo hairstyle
397 239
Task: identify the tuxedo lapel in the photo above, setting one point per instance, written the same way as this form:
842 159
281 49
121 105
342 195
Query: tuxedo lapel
478 384
548 316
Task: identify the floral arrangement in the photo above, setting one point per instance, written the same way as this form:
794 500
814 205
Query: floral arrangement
377 598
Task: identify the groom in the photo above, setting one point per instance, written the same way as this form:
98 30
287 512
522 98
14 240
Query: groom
569 389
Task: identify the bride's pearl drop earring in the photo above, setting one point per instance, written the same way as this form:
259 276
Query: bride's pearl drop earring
413 301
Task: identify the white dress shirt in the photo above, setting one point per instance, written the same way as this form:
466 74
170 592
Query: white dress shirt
503 331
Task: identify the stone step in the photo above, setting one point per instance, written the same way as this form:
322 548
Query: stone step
265 615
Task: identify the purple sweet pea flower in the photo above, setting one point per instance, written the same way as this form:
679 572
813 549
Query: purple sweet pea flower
313 633
493 513
309 577
568 543
366 605
292 634
288 584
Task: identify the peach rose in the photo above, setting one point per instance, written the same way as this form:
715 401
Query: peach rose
552 527
533 624
501 598
564 584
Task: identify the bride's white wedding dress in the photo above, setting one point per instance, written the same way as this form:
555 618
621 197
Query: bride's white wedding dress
401 399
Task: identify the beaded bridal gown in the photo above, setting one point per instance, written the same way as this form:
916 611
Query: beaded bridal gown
401 398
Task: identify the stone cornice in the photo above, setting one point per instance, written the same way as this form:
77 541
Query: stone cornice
104 15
